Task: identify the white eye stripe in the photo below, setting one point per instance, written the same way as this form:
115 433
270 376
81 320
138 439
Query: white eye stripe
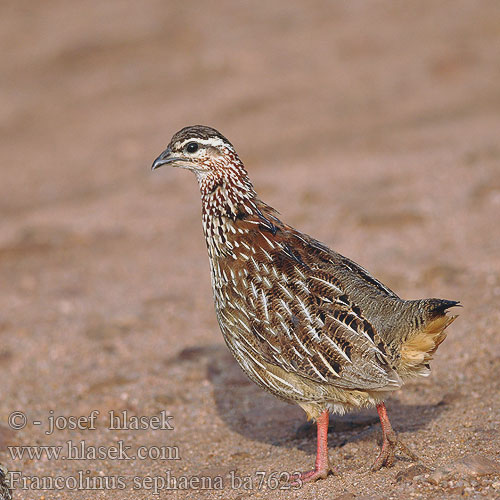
212 141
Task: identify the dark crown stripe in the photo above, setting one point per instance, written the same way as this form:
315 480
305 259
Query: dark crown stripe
198 132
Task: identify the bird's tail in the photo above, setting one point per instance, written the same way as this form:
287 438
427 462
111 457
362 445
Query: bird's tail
430 322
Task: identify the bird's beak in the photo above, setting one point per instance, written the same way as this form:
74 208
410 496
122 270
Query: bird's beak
164 159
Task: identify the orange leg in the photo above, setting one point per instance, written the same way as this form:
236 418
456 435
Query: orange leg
322 465
390 442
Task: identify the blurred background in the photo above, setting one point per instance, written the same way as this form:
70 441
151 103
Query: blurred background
372 126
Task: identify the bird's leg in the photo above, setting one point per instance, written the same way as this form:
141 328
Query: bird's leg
390 442
322 465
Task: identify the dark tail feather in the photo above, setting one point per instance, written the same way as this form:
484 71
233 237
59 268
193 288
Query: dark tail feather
438 307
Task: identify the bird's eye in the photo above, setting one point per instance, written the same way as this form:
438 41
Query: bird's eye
192 147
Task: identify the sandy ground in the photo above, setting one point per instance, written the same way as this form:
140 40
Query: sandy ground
372 126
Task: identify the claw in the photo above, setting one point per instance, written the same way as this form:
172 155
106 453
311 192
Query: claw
311 476
390 443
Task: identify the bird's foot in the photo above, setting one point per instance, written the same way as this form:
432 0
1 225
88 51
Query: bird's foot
312 475
390 444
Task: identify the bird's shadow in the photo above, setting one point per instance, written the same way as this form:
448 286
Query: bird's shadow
257 415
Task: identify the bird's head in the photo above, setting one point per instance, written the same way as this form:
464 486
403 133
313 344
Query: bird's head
221 175
200 149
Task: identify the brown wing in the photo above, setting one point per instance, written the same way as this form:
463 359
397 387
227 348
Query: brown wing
291 309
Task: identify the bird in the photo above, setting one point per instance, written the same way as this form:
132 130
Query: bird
5 491
304 323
